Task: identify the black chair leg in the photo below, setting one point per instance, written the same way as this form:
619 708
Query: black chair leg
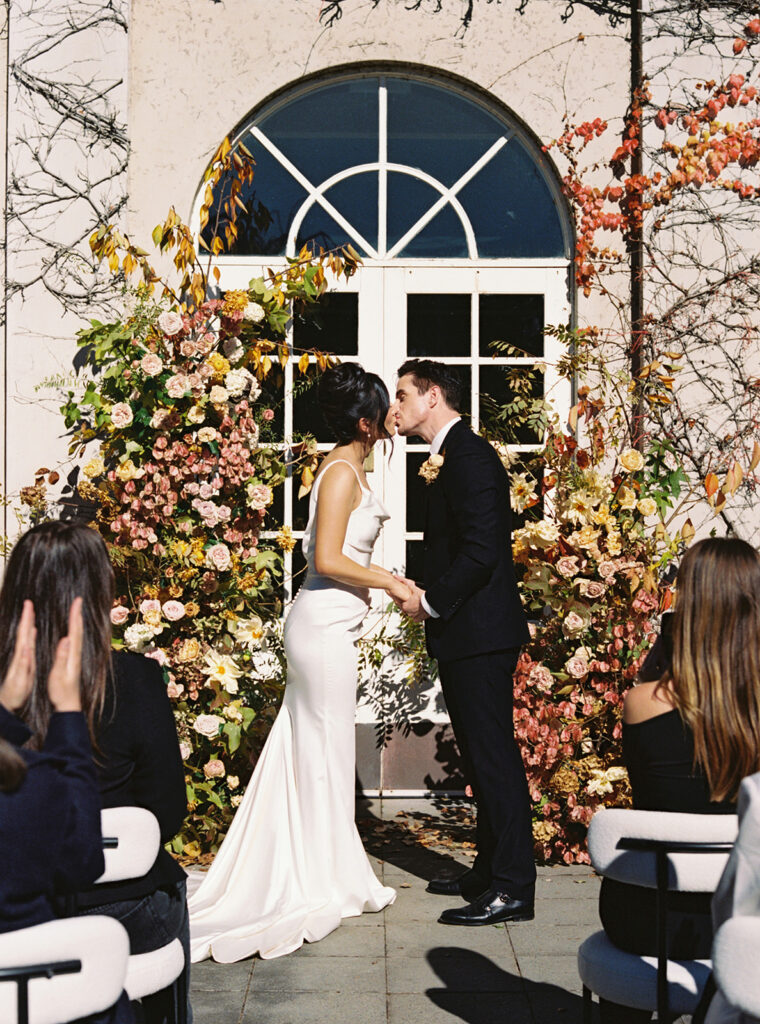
587 1004
179 989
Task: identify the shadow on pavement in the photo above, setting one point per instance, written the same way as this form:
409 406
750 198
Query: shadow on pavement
408 842
478 991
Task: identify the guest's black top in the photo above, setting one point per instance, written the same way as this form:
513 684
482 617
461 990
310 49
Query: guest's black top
659 755
50 826
139 765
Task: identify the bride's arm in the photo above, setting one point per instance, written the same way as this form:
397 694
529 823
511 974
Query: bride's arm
338 494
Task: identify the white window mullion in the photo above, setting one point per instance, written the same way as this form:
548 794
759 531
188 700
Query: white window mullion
382 169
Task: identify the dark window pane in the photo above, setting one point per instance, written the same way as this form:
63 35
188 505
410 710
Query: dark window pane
443 236
415 556
298 570
300 506
415 492
408 199
276 511
356 199
515 319
272 397
307 419
320 231
438 325
328 129
271 200
332 325
436 130
495 391
511 207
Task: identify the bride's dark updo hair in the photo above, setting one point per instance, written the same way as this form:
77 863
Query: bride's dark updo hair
348 393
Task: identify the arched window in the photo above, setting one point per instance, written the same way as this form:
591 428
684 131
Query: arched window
464 234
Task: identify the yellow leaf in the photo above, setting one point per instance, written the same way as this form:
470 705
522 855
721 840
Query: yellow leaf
217 274
755 457
266 365
303 362
572 418
687 532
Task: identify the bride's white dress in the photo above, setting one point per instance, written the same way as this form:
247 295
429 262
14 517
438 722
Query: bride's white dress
292 864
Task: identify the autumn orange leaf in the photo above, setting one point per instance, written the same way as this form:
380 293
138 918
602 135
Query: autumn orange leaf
711 484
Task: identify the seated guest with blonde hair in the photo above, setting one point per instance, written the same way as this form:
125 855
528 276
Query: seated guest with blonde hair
692 734
50 839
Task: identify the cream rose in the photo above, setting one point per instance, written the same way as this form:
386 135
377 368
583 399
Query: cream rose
196 414
233 349
576 666
173 610
190 650
218 557
631 460
151 364
233 782
254 313
647 506
208 725
626 498
259 495
574 624
207 434
170 323
159 417
591 588
540 677
95 467
177 385
218 395
127 470
237 382
121 415
214 769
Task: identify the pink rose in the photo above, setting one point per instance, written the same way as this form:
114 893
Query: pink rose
177 385
174 690
173 610
208 725
268 414
119 615
185 750
218 557
567 566
540 677
170 323
149 605
156 654
577 666
206 491
591 588
187 348
151 364
121 415
214 769
607 570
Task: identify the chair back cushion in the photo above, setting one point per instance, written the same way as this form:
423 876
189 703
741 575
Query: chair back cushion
100 943
139 836
736 956
688 872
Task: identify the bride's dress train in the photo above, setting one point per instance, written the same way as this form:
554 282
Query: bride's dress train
292 864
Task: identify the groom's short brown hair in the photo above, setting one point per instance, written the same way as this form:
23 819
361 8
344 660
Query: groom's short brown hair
427 372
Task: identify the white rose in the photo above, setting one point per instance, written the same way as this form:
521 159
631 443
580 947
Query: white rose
208 725
138 635
170 323
237 382
254 313
255 390
647 506
264 665
121 415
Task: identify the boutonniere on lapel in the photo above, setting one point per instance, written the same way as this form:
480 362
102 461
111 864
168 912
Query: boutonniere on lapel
430 468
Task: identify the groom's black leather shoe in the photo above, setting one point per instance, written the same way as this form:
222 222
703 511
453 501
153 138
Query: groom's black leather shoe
492 908
469 886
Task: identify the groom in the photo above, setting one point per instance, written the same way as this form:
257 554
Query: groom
474 625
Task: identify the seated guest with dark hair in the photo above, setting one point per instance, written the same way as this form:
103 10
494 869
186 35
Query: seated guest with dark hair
130 719
691 734
50 840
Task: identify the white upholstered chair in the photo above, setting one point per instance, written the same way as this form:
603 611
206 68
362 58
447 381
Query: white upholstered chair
131 837
61 970
664 851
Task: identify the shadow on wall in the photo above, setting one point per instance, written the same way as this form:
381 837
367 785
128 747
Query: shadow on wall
478 991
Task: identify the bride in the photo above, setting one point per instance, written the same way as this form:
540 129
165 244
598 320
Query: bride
293 865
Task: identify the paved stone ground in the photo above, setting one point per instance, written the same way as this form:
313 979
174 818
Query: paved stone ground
401 966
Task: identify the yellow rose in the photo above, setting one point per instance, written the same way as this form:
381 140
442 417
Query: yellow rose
192 609
95 467
631 460
647 506
626 498
127 470
614 543
190 649
152 617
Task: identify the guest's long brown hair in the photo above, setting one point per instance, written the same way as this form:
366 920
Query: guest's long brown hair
715 673
51 565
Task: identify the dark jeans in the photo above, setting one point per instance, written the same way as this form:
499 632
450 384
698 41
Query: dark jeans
478 694
151 922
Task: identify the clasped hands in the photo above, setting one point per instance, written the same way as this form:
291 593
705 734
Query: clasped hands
408 598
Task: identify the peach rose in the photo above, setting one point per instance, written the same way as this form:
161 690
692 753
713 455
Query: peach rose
121 415
151 364
214 769
119 615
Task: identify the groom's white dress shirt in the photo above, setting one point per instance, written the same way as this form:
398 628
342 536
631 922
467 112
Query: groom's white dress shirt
435 446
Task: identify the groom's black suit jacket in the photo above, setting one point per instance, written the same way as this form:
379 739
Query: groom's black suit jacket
468 575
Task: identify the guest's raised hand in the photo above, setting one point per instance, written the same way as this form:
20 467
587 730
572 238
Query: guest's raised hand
64 679
19 678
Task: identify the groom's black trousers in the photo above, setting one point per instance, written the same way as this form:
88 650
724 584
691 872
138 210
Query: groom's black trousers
478 695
